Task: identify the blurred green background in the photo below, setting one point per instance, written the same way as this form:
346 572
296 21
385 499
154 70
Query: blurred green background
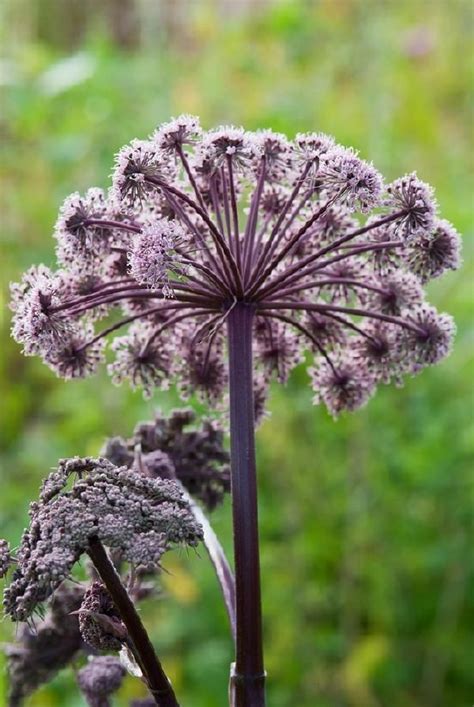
367 523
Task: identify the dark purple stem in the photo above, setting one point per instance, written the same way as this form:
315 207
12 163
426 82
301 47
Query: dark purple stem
248 678
191 178
235 214
159 685
291 243
267 249
323 308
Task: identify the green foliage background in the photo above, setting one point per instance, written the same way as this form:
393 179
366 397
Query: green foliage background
366 523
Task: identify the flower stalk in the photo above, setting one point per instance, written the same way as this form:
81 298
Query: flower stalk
141 646
248 676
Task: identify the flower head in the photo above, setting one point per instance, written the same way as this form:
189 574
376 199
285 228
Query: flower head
184 130
40 652
173 448
99 621
431 338
102 676
302 232
415 198
75 355
136 164
114 504
344 385
435 252
310 147
396 292
36 324
142 360
154 255
357 183
81 231
227 142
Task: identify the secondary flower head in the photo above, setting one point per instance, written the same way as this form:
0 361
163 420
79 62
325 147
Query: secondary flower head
174 448
44 649
138 517
102 676
302 232
100 624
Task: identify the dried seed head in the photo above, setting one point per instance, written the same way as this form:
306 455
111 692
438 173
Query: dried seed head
40 653
114 504
99 621
172 447
101 677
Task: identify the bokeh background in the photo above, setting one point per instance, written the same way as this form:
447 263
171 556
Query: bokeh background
366 523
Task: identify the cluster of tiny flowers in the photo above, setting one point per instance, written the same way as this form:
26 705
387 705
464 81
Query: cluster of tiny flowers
99 679
156 254
136 516
172 448
5 557
303 231
41 651
99 621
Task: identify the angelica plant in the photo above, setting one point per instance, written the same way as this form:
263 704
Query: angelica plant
230 255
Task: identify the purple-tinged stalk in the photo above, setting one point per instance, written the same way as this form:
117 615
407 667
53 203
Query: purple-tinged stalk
248 677
202 227
142 649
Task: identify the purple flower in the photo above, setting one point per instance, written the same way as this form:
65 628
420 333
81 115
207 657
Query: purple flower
430 339
80 230
135 165
415 200
155 254
184 130
354 182
197 222
343 385
435 252
141 360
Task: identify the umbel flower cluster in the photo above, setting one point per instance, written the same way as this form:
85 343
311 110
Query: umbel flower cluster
167 449
137 517
304 232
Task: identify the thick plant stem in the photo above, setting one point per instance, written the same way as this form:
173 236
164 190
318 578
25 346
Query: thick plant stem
159 685
247 684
